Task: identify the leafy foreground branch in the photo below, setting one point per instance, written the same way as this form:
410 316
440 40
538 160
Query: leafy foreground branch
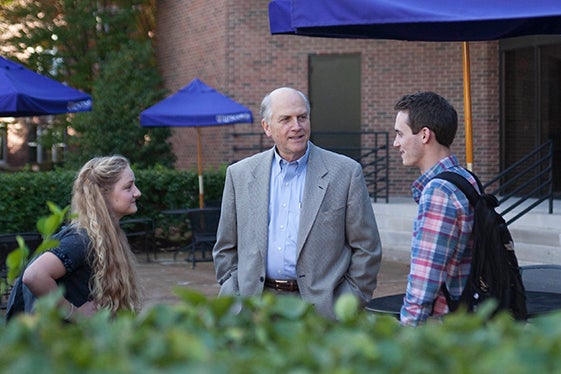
273 335
265 335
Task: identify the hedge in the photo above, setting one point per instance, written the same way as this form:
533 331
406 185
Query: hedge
25 194
274 335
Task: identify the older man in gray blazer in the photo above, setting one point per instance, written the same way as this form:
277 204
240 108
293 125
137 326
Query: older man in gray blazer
312 234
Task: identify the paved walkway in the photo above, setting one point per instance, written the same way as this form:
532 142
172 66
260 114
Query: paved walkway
161 276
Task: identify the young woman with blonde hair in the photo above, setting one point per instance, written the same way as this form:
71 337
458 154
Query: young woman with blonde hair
93 260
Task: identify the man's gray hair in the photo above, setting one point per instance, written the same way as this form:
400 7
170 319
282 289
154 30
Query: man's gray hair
266 111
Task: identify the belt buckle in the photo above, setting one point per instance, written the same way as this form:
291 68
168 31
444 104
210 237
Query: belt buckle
287 285
284 284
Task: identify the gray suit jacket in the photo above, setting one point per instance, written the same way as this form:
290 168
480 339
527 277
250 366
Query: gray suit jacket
339 248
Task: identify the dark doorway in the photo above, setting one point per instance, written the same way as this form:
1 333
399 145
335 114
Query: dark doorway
531 99
335 96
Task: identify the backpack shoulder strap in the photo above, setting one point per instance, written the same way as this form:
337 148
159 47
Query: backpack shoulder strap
463 184
473 196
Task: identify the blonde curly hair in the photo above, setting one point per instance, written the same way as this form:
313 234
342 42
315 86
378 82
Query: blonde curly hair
114 282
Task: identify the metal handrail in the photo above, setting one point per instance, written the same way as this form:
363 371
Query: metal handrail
537 177
255 147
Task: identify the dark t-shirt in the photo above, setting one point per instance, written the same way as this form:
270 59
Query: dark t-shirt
73 252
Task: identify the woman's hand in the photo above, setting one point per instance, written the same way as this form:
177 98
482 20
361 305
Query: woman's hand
88 309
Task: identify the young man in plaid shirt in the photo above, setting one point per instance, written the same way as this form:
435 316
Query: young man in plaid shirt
441 244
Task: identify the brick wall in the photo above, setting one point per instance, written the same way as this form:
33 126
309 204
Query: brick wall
18 150
228 45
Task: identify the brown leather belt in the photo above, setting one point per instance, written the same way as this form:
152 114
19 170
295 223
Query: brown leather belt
289 285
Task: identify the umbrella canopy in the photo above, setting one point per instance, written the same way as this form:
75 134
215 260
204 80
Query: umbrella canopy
419 20
196 105
24 93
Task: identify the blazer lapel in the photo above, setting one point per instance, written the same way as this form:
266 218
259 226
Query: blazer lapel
258 185
314 192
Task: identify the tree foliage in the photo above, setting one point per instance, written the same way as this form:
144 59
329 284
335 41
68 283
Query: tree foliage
67 39
103 48
126 85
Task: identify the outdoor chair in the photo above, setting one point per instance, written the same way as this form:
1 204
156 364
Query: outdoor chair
203 223
143 229
8 243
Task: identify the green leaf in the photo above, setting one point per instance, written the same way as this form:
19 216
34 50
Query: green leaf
290 307
45 245
346 307
16 261
49 225
190 296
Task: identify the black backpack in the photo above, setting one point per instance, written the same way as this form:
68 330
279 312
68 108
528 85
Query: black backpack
494 268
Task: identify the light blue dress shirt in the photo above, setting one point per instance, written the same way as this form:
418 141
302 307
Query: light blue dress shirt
285 204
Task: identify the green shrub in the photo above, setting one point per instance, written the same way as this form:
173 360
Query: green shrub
273 335
268 334
25 194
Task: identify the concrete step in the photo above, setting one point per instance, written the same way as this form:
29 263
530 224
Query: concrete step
531 254
537 235
395 222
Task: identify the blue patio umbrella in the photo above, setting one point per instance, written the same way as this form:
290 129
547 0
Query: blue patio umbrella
24 93
196 105
419 20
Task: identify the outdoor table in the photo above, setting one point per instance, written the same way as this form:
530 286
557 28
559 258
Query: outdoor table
537 303
390 304
541 302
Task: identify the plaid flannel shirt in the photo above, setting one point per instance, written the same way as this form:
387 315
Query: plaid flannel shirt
441 243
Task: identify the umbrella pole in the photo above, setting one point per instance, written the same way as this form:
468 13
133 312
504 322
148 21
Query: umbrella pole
200 169
467 106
